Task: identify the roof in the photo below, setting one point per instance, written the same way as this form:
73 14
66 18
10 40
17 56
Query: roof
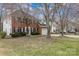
43 25
20 13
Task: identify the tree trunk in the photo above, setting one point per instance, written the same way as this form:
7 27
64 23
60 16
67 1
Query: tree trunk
62 34
62 31
48 32
62 27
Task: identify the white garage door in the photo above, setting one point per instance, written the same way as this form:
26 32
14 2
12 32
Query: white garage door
44 31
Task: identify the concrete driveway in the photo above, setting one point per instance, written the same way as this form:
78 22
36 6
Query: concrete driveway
71 35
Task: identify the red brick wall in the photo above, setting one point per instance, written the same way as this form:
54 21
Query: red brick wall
17 24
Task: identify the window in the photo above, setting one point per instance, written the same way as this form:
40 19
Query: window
20 29
34 30
13 29
27 30
31 29
23 29
19 19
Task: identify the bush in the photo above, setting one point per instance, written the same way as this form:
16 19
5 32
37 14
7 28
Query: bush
18 34
34 33
2 34
23 33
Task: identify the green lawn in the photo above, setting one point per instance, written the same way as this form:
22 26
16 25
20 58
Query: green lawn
39 46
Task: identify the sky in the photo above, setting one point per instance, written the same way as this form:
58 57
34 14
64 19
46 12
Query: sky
35 5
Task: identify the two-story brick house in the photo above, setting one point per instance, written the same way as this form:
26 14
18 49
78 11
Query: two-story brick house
19 21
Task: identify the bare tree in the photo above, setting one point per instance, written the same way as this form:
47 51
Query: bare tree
63 17
25 9
49 11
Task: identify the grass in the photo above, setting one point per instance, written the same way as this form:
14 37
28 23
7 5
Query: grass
40 46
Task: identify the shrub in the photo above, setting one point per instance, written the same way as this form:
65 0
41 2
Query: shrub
35 33
2 34
23 33
18 34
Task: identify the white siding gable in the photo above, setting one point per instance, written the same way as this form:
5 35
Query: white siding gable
7 25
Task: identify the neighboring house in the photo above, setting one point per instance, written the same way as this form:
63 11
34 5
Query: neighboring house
73 26
54 28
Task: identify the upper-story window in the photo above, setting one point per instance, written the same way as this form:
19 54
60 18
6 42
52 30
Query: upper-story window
25 20
19 19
